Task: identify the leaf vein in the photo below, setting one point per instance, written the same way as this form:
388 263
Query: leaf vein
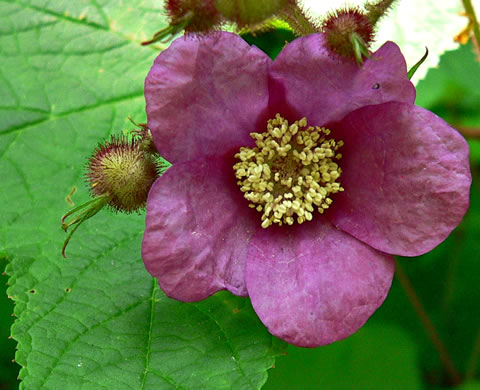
74 111
60 16
148 348
80 334
78 277
234 354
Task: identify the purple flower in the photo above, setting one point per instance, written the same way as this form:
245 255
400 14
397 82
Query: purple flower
404 172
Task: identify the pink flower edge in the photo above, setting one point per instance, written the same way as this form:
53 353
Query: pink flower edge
309 299
406 178
200 235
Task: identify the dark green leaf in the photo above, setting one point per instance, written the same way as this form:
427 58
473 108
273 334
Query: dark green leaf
72 71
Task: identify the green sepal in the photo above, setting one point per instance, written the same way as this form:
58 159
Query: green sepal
86 211
360 48
414 68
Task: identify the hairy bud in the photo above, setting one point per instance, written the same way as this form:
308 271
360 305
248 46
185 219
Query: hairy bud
123 172
349 33
119 175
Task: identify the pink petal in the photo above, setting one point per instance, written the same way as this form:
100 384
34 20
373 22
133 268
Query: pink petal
312 285
308 82
205 95
197 230
406 177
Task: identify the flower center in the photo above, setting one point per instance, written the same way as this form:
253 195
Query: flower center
290 173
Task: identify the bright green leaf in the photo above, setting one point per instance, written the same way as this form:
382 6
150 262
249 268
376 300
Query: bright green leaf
72 71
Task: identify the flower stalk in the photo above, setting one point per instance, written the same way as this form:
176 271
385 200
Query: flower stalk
428 325
474 358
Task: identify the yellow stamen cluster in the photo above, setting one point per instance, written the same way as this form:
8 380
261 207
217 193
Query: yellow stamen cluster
290 172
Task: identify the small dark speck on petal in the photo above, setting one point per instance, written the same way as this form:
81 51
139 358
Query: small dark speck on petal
376 86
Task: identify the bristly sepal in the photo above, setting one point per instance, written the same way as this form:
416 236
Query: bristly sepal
122 170
349 34
119 175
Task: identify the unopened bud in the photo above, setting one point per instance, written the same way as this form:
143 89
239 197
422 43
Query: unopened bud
119 175
122 171
349 33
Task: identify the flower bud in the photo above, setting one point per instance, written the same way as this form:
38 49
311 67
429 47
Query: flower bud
349 33
119 175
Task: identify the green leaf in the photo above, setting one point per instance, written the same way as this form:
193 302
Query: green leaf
270 42
376 357
452 89
72 71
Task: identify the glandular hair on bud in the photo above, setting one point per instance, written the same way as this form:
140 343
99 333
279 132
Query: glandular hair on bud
123 171
345 30
249 12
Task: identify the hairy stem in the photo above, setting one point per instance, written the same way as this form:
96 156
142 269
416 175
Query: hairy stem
428 325
378 10
297 19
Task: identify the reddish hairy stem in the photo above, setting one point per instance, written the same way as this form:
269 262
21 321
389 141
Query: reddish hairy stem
297 19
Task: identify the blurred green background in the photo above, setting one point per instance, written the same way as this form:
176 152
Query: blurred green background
393 351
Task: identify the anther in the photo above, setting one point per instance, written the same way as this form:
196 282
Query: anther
290 173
